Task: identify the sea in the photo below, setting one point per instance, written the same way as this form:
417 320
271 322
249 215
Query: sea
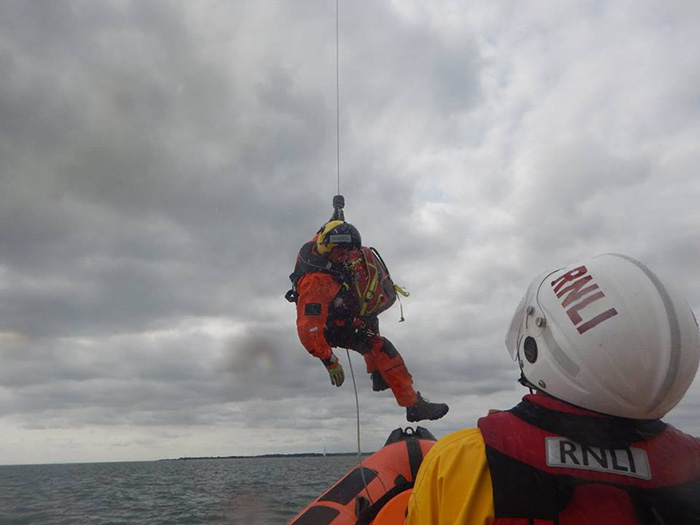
189 492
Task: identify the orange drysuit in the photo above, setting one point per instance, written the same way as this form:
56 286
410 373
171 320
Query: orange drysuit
327 317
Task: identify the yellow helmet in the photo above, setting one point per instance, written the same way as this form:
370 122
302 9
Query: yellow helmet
337 233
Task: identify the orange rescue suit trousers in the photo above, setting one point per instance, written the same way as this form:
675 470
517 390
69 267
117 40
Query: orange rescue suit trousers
380 354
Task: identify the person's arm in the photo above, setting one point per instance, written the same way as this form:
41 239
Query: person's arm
316 292
453 485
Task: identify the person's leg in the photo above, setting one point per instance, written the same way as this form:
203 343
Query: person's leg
381 357
378 383
390 365
384 359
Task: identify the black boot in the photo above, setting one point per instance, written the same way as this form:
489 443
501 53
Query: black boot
424 409
378 383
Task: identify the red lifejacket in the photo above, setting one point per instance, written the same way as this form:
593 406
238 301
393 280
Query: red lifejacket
554 463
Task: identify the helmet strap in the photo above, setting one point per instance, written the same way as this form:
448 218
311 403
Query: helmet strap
523 381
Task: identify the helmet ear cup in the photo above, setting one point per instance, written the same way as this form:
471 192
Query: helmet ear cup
530 349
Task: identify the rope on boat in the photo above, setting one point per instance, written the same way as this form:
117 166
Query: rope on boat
357 412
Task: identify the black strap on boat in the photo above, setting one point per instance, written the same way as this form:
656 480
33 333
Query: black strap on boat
401 484
350 486
368 515
415 455
317 515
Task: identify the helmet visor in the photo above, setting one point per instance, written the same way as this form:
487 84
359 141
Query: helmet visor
517 323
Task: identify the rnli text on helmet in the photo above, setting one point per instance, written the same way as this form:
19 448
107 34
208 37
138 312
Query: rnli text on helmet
581 287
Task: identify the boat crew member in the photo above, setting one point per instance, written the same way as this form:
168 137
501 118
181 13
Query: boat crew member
607 349
340 287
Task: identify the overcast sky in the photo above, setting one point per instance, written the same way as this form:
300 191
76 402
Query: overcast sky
163 161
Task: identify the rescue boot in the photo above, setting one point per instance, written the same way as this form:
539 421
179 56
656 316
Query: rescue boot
378 383
424 409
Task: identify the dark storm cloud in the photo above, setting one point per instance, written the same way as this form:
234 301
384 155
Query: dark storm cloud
162 184
140 177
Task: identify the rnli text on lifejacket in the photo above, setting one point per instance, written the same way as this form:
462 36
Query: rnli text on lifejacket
564 453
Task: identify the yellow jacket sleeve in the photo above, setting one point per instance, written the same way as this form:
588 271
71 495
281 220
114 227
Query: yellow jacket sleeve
453 485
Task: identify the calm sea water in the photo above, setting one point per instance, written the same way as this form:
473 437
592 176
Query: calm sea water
217 491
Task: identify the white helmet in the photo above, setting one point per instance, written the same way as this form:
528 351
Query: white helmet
607 335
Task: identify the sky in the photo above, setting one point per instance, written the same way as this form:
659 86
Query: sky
163 161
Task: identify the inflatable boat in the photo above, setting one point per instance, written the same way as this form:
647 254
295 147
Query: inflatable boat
376 492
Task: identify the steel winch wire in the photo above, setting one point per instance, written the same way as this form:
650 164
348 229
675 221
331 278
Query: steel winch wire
337 92
337 142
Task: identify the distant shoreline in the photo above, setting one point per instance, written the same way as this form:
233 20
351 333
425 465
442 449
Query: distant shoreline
298 455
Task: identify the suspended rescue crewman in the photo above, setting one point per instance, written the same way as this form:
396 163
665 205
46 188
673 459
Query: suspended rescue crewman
608 349
340 287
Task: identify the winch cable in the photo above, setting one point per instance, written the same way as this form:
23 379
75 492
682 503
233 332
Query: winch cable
337 92
338 204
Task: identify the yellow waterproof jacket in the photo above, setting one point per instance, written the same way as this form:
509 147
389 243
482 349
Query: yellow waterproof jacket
551 462
453 483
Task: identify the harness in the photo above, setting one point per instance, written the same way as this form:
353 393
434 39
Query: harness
365 276
309 261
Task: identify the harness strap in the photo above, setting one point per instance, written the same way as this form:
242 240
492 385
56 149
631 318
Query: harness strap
401 290
605 431
308 262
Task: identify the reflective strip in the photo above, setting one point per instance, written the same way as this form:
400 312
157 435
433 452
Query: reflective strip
674 328
563 360
371 288
339 238
564 453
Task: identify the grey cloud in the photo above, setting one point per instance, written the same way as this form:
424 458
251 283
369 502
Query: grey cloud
163 163
129 202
